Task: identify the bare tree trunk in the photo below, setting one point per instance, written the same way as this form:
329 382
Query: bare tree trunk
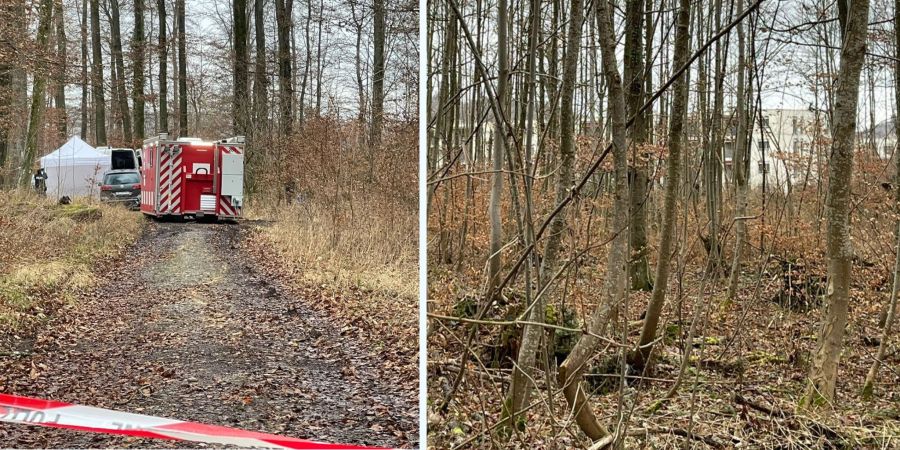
115 119
283 17
182 69
891 312
361 115
163 72
740 161
60 75
306 68
714 152
260 80
641 356
99 99
531 335
377 79
499 147
6 172
319 65
241 100
445 129
639 265
173 79
571 370
84 70
137 67
38 91
552 57
823 371
119 68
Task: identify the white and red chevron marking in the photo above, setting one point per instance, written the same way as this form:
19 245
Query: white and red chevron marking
226 207
231 150
163 164
164 159
170 180
33 411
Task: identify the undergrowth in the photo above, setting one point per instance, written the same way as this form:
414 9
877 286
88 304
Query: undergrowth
757 347
342 231
336 220
48 252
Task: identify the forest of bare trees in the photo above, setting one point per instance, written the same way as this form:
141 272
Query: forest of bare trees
118 71
662 223
288 307
651 223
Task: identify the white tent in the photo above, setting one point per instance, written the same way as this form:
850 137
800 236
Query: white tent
74 169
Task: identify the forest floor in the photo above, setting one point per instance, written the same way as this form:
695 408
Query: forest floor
747 372
196 322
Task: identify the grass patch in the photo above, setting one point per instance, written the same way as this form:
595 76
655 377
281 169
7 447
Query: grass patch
372 249
48 252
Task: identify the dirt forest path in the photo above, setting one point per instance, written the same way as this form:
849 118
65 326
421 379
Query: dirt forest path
185 327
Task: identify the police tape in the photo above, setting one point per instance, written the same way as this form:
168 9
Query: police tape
33 411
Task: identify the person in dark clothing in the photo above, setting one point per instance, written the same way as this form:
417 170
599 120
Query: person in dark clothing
40 181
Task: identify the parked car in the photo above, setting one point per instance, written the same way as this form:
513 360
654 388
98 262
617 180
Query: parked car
121 186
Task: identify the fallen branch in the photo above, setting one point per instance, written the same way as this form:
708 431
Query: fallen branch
692 436
602 443
708 440
771 411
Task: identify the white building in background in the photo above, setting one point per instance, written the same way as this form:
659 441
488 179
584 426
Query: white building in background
885 138
477 144
781 148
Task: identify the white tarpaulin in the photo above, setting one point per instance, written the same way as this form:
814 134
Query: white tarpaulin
74 169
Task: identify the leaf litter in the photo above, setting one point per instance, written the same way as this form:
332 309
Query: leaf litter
191 325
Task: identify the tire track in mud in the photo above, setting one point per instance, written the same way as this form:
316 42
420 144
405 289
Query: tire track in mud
185 327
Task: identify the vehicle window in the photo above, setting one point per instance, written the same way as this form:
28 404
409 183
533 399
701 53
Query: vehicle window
122 178
122 160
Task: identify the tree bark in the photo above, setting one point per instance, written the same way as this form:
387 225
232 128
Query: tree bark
377 77
531 335
361 115
714 152
182 69
163 69
241 98
283 17
891 311
38 90
6 171
494 260
839 250
639 265
319 65
137 67
260 80
84 70
115 122
641 355
304 83
571 370
740 161
59 97
119 68
97 92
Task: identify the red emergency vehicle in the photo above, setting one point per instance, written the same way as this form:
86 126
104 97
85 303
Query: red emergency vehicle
189 177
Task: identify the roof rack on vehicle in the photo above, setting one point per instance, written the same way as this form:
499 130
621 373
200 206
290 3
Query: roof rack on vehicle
233 140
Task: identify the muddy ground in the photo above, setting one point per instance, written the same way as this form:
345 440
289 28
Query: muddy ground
187 327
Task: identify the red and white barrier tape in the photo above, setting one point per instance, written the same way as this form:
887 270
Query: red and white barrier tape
32 411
